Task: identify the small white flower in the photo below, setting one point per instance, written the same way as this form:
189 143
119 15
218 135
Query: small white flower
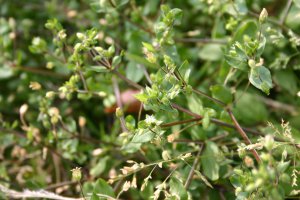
150 120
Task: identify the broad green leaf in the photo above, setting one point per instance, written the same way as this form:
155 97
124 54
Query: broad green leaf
248 28
100 69
209 161
116 60
99 167
211 52
282 166
261 78
235 181
236 62
177 189
222 93
131 147
102 187
143 136
195 104
241 6
256 114
287 80
134 72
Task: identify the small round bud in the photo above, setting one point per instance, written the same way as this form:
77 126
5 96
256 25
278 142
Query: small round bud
49 65
72 13
251 63
119 112
81 121
80 36
76 174
102 94
50 94
99 49
248 161
238 190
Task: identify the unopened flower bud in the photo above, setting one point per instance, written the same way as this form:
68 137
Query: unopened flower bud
49 65
50 94
269 142
251 63
81 121
102 94
76 174
166 155
263 16
23 109
35 86
248 161
80 36
119 112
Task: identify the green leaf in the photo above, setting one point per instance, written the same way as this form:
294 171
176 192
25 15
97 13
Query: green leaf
256 114
282 166
297 3
248 28
131 147
6 72
236 62
148 46
195 104
222 93
261 46
211 52
101 187
130 122
142 97
141 60
209 161
203 179
261 78
116 60
235 181
241 6
134 72
176 15
177 189
121 3
143 136
287 80
99 167
185 70
100 69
